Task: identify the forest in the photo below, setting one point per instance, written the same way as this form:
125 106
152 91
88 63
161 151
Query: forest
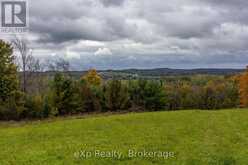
26 92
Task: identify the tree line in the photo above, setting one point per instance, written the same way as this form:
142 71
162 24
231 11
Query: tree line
36 95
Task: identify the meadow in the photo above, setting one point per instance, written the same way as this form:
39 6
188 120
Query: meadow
186 137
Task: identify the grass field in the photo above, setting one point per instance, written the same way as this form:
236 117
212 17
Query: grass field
184 137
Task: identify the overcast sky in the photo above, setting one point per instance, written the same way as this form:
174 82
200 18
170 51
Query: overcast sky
119 34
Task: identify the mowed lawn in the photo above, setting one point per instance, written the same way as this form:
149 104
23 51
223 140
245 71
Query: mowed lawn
194 137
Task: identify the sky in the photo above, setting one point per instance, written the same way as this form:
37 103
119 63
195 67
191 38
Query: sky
120 34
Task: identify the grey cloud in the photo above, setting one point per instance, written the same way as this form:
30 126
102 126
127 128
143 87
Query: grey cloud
144 33
108 3
229 3
85 21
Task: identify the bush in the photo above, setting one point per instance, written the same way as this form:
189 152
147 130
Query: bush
36 107
33 107
13 107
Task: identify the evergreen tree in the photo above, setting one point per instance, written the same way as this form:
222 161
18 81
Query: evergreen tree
10 96
149 95
116 96
8 72
64 95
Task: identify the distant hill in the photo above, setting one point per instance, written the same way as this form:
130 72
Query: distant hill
153 73
172 72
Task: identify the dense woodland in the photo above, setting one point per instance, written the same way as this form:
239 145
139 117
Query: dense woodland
26 93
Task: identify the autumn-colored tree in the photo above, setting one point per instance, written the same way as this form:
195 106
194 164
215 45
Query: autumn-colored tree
243 89
90 91
90 97
92 78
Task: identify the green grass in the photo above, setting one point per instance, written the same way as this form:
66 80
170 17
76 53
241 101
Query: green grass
194 137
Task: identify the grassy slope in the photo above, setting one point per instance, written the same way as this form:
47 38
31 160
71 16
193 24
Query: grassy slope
196 137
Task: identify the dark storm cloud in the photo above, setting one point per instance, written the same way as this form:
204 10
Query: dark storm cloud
229 3
112 2
64 21
141 32
88 20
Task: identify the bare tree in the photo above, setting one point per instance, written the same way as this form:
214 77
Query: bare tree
35 79
59 65
26 57
62 65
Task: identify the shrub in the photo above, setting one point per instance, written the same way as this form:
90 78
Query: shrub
13 107
33 107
